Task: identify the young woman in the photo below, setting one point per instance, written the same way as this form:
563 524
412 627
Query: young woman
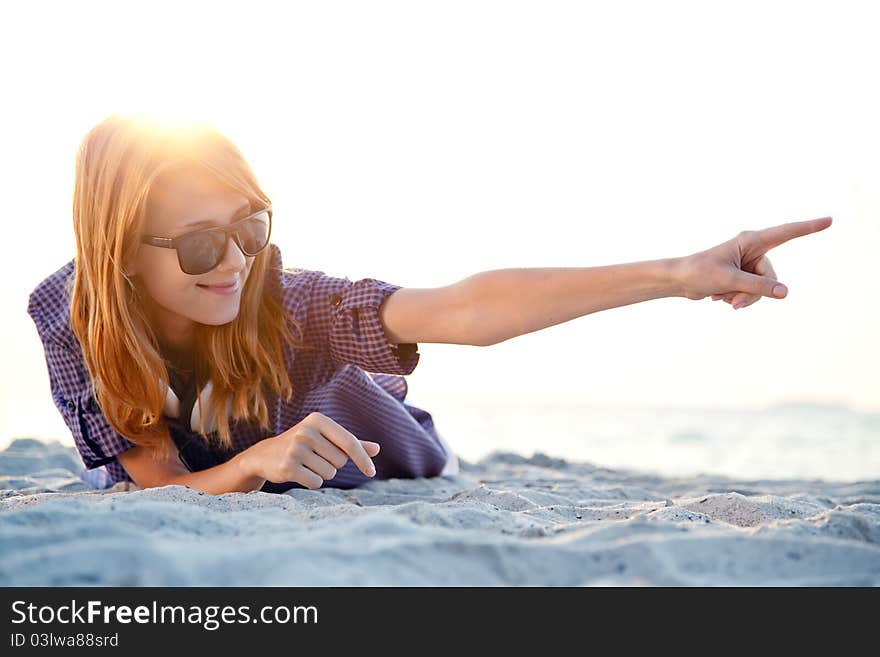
169 338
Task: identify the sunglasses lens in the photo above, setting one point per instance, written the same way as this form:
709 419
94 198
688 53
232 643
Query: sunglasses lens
254 234
200 253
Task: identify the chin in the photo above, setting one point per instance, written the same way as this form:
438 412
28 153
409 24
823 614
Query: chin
219 319
225 320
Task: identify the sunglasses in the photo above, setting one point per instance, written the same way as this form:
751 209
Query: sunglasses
199 251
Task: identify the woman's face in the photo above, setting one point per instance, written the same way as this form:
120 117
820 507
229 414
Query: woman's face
177 203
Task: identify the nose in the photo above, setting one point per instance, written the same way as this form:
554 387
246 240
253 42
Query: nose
233 259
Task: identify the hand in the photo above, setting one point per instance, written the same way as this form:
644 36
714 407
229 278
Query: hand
738 271
309 453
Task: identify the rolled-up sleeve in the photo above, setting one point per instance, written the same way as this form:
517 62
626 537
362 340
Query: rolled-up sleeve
344 316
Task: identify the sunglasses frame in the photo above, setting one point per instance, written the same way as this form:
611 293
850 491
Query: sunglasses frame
230 230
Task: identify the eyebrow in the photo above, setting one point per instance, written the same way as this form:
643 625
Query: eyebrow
240 213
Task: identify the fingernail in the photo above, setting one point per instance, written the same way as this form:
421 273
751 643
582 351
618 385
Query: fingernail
779 290
371 470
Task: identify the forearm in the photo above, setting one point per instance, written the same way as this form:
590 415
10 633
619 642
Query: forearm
232 476
506 303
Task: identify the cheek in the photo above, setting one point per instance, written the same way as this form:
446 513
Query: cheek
164 279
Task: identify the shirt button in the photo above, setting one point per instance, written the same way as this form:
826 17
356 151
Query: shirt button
336 300
71 406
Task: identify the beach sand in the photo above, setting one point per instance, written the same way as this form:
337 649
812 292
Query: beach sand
506 520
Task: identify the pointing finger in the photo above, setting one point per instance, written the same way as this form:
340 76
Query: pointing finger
769 238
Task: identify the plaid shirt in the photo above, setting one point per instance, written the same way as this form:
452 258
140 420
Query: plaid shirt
355 377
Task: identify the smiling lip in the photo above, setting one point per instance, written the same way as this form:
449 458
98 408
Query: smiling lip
229 288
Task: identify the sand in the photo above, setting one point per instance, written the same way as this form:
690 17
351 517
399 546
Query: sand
506 520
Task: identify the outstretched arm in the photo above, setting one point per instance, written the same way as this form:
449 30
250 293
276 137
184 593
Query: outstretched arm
511 302
494 306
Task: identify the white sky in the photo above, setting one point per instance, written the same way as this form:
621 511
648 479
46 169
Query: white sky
420 143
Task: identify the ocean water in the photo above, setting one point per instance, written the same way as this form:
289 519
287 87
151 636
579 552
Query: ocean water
787 441
794 441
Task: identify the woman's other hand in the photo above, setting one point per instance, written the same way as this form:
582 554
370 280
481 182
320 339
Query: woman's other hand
309 453
738 270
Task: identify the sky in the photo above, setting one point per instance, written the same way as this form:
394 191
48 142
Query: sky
420 143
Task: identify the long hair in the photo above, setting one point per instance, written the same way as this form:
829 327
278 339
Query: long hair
116 164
